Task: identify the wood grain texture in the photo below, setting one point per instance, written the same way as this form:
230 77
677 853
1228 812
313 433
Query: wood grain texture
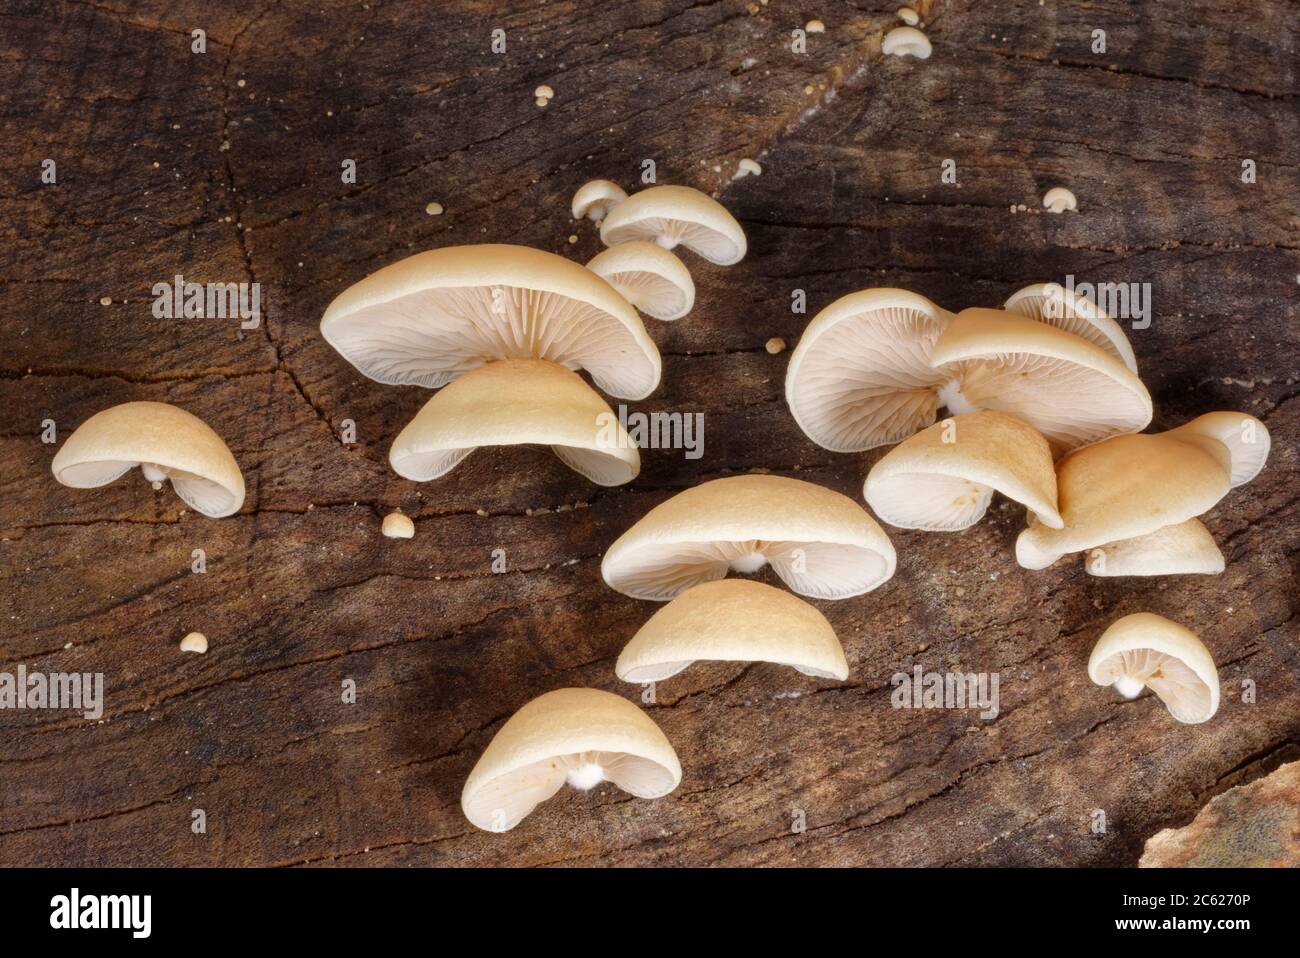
225 167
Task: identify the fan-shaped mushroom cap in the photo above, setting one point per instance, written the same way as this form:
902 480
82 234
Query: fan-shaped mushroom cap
861 375
820 543
1184 548
733 620
943 478
583 735
595 199
1054 304
650 278
1245 437
906 41
1148 650
432 316
512 402
1071 391
166 443
672 215
1122 488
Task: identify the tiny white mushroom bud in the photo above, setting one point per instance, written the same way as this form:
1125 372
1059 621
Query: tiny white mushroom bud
434 209
195 642
814 26
747 167
1058 199
775 345
909 16
544 92
906 41
398 526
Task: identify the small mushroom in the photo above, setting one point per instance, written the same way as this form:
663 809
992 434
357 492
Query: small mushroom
943 478
431 317
595 198
814 26
195 642
1145 650
748 167
774 345
650 278
1058 199
166 442
398 526
582 736
733 620
906 42
1184 548
908 16
819 542
677 215
1246 438
1055 305
515 402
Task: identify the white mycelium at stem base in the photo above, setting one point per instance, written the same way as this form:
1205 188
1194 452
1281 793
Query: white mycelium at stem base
1129 687
587 774
155 475
951 398
748 564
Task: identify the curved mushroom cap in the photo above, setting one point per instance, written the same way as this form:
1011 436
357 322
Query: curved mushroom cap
1184 548
513 402
942 478
1148 650
1054 304
673 215
1071 391
650 278
906 41
1246 438
861 375
166 442
820 543
733 620
583 735
595 198
430 317
1122 488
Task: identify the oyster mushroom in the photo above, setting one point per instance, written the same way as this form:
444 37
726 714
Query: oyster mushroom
650 278
943 478
431 317
1052 303
166 442
819 542
906 42
733 620
595 198
515 402
677 215
582 736
1145 650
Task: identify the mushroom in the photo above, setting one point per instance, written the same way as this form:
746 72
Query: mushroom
908 16
1070 390
1145 650
595 199
166 442
582 736
513 402
431 317
1054 304
195 642
1122 488
1058 199
733 620
398 526
1184 548
861 374
943 478
819 542
1246 438
906 41
650 278
673 215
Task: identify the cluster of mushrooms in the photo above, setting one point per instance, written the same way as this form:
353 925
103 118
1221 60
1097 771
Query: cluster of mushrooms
1044 405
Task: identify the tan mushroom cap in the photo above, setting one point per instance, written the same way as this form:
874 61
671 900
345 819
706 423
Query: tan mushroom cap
650 278
821 543
733 620
584 736
861 376
595 198
431 317
1052 303
677 215
166 442
1148 650
943 478
1184 548
1071 391
514 402
1246 438
1122 488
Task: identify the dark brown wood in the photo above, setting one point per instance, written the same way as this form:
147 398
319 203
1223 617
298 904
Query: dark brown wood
225 166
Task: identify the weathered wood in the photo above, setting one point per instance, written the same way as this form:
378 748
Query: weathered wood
224 166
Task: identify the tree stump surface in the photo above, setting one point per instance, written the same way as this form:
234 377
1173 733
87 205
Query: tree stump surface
224 166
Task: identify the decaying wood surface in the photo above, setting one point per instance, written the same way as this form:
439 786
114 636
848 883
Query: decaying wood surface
225 166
